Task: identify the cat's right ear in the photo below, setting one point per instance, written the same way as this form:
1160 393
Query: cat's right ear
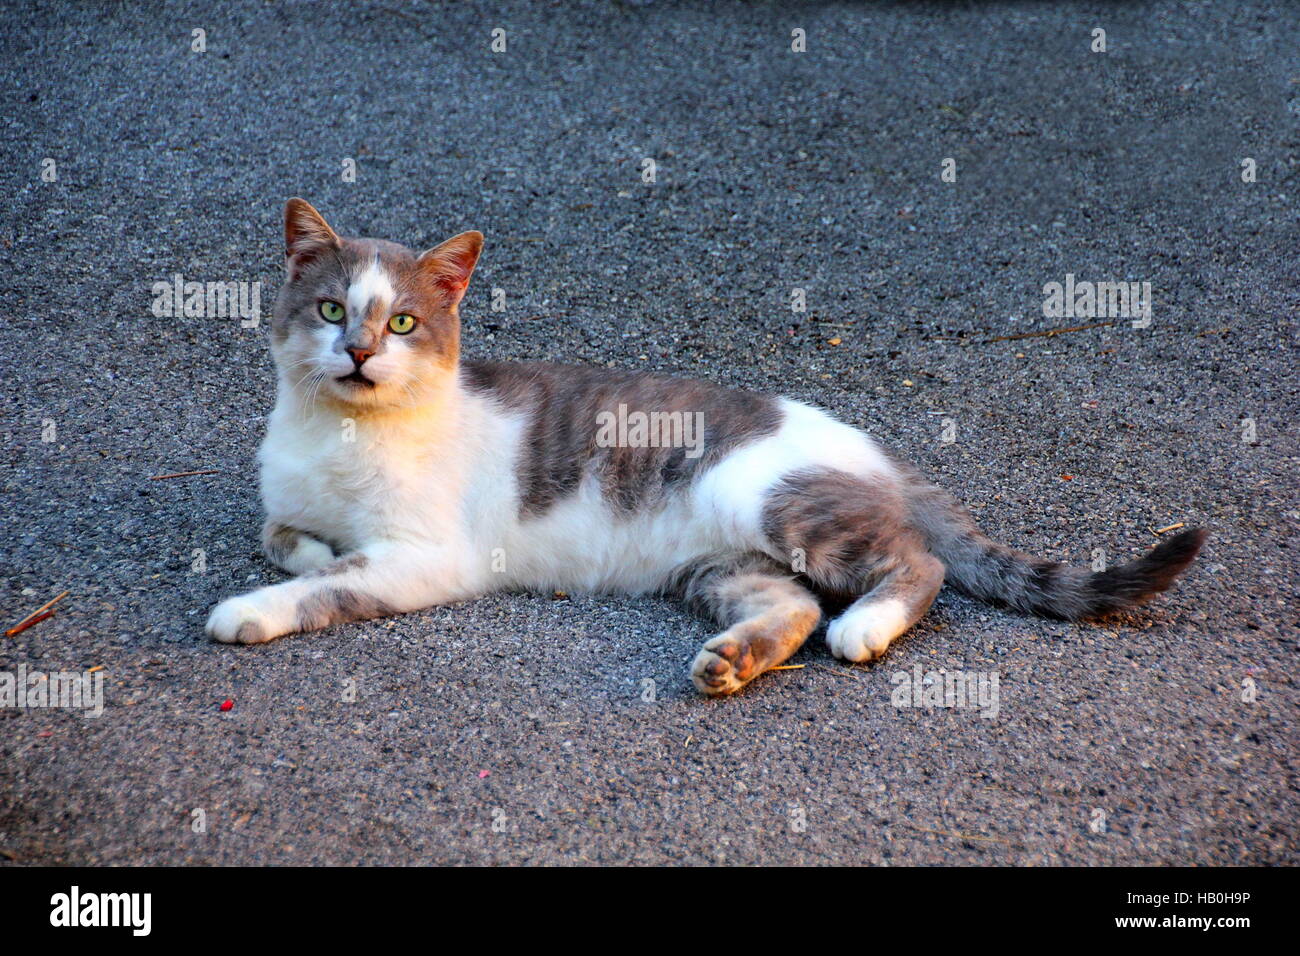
306 235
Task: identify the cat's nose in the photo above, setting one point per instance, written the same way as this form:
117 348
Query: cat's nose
359 355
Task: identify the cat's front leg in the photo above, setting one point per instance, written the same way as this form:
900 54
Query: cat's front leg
296 551
372 582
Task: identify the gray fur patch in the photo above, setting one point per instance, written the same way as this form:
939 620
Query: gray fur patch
278 542
698 584
849 532
249 632
336 605
352 562
565 404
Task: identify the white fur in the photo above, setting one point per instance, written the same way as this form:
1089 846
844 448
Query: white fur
420 478
732 494
369 479
579 544
231 614
373 284
866 629
308 555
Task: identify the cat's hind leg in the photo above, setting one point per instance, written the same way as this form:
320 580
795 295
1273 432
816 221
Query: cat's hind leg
767 614
866 629
853 538
296 551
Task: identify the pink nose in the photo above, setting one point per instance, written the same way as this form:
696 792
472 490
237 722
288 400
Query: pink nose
360 355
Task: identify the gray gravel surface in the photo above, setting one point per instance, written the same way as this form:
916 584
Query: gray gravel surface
514 729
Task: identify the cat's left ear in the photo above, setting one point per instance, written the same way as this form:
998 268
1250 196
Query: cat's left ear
450 264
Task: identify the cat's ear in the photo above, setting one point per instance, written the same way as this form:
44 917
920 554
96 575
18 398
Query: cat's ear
306 235
450 264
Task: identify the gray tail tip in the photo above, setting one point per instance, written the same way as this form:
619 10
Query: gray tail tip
1146 577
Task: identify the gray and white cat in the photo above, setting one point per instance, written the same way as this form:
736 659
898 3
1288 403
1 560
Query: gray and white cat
397 476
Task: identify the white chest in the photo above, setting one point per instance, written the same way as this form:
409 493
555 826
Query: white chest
353 485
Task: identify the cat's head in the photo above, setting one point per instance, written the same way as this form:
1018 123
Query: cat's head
366 322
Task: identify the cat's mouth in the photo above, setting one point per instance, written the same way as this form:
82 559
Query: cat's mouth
356 378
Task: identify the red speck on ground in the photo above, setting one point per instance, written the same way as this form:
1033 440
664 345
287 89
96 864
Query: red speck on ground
483 773
226 705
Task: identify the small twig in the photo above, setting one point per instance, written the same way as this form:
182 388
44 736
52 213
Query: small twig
19 628
50 603
185 474
788 667
838 672
1034 335
1168 527
37 615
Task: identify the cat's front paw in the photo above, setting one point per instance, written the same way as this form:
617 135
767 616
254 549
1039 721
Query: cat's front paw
723 666
238 620
307 556
295 551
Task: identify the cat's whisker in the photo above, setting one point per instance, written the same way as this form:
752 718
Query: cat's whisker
310 360
313 380
304 378
300 387
315 387
410 390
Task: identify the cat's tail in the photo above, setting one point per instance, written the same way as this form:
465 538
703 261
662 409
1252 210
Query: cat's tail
993 572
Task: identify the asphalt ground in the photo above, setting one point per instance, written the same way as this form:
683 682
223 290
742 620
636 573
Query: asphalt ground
522 729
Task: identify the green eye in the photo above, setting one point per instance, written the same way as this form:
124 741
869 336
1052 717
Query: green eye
401 324
331 311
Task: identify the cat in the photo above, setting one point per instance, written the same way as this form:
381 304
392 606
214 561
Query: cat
397 476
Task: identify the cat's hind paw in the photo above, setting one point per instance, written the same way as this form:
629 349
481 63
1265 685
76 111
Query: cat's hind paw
238 620
865 631
723 666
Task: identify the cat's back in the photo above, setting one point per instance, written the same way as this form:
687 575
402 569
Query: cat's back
640 435
643 436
